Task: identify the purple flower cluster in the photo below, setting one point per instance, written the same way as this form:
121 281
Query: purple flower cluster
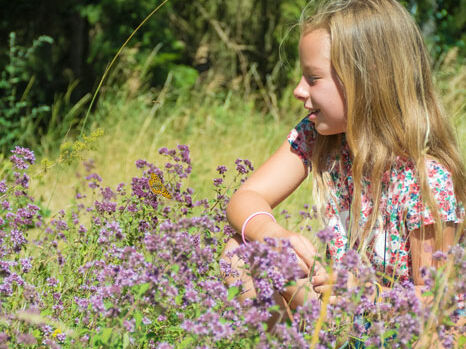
22 158
126 267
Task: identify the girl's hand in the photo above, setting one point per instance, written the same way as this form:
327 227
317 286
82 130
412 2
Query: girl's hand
304 249
323 282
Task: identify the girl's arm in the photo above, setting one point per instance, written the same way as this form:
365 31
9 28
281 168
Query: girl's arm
275 180
422 248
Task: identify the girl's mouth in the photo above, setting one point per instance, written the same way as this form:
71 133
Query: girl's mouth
313 114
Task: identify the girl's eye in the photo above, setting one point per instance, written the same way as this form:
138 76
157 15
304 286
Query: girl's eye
311 80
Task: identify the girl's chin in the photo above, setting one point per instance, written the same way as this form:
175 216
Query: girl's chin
326 131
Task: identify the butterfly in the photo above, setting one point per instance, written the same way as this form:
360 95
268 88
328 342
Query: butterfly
157 187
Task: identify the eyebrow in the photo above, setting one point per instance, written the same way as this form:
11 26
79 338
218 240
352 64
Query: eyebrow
311 69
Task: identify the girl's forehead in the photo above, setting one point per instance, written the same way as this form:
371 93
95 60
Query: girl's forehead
315 44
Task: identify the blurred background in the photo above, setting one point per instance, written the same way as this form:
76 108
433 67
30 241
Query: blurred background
216 75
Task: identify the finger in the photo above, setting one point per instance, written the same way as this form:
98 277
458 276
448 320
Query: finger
303 267
319 279
303 248
333 300
322 289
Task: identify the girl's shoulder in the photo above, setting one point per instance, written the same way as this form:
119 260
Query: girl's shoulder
404 170
302 138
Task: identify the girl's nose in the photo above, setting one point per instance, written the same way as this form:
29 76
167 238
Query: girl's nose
301 91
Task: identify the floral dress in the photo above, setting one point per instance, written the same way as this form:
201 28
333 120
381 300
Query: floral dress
400 210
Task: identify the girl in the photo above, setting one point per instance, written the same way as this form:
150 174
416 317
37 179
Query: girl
386 170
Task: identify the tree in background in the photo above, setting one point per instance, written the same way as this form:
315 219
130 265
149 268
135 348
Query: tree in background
231 44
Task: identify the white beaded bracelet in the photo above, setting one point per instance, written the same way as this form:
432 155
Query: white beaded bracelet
251 217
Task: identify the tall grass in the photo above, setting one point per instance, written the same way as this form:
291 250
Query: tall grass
219 126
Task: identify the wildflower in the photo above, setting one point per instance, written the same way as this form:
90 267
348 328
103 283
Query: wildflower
218 181
3 187
94 179
129 325
26 339
52 282
22 157
26 264
56 332
221 169
325 235
439 255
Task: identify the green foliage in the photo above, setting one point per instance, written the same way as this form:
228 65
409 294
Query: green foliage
242 45
442 23
19 116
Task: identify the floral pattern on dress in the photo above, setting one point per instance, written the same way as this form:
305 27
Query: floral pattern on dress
401 208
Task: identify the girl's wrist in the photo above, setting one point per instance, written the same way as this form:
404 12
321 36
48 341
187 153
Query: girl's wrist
261 227
273 230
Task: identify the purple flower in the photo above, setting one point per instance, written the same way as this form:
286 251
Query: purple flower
26 264
326 235
218 181
61 337
163 151
94 180
22 158
141 163
89 165
3 187
22 179
26 339
3 337
350 259
221 169
439 255
129 325
52 282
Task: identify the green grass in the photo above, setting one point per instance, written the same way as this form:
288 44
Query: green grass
219 126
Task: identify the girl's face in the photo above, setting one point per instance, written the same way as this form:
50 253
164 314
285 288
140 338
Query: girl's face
319 87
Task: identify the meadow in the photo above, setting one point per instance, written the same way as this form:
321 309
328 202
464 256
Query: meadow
91 256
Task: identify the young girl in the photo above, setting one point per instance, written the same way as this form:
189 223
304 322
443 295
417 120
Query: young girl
386 169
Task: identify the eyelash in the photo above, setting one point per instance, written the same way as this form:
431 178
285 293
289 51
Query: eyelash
311 79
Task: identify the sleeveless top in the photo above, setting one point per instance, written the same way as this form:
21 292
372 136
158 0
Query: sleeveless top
400 209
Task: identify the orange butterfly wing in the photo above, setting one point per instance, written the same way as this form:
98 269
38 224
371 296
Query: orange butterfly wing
157 187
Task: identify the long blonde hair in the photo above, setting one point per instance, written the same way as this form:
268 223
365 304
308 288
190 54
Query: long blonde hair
379 55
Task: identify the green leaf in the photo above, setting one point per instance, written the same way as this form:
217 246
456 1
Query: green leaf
461 341
184 76
46 312
186 343
427 294
447 321
105 335
175 268
232 292
389 333
138 318
126 340
275 307
179 299
141 289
